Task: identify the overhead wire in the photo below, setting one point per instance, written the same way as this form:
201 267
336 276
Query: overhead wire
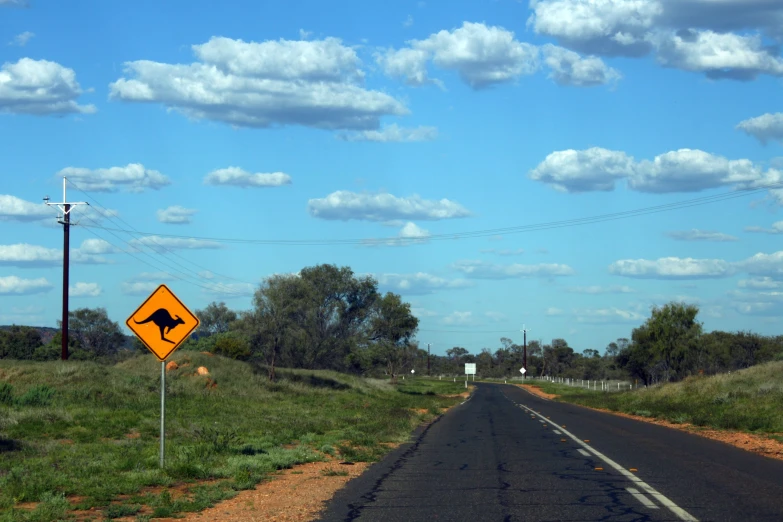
152 265
487 232
139 243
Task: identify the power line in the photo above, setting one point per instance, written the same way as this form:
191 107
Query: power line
108 216
154 266
487 232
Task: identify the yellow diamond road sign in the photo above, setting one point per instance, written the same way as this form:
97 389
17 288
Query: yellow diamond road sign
162 322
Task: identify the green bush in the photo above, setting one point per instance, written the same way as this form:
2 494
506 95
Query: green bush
231 344
47 352
6 393
40 395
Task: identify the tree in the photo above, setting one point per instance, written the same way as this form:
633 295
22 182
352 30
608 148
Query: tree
457 353
274 321
590 353
391 327
637 358
674 332
19 342
95 332
215 318
336 307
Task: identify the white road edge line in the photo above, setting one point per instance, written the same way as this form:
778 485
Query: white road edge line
641 498
674 508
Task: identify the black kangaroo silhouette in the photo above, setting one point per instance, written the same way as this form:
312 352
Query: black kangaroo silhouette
163 320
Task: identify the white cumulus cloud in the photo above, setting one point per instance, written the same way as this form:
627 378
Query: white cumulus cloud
481 55
144 288
344 205
313 83
12 285
393 133
16 209
760 283
25 255
688 170
765 128
684 170
419 283
672 268
607 315
569 68
164 245
484 270
604 27
409 234
40 87
594 169
84 290
700 235
176 215
769 265
132 177
458 319
692 35
718 55
237 177
21 39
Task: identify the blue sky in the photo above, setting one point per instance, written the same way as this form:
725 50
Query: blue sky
394 124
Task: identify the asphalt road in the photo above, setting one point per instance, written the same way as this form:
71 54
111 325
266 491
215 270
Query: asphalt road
506 455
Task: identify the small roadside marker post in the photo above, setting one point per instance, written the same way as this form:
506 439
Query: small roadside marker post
159 316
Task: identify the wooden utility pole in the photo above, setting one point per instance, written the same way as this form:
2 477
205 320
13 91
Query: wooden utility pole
66 223
428 359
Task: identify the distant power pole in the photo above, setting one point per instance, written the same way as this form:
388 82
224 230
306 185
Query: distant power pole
428 359
66 223
524 348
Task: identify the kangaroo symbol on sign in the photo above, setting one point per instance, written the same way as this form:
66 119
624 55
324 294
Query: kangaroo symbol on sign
163 320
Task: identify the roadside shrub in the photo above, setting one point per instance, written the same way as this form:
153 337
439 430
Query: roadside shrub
40 395
47 352
231 344
6 393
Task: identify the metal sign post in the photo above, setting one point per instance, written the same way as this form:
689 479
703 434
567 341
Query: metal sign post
162 409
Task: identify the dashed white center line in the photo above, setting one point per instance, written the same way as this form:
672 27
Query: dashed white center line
555 431
641 498
657 495
583 452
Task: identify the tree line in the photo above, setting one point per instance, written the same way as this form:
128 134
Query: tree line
326 317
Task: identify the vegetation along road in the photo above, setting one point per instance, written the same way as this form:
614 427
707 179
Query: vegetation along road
507 454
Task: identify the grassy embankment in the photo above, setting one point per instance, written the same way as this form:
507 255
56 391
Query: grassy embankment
78 435
747 400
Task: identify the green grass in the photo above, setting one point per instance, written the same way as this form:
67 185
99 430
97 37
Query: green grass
80 429
747 400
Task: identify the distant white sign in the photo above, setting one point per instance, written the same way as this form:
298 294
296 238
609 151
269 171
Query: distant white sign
413 371
470 368
522 371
